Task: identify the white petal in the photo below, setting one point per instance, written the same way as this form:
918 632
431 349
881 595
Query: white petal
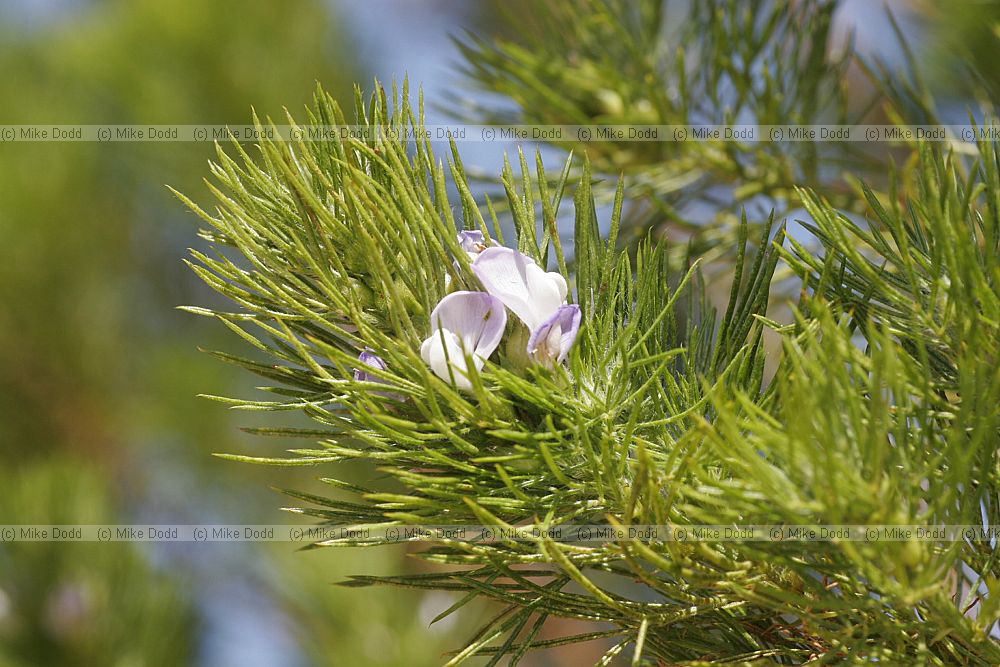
560 283
530 293
443 349
477 318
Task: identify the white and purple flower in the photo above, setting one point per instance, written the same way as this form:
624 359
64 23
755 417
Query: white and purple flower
472 242
536 296
370 360
554 338
463 323
469 325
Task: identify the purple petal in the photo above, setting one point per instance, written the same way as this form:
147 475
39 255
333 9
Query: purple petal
372 360
471 240
477 318
555 337
524 287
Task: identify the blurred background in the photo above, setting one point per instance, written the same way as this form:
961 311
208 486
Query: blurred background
99 419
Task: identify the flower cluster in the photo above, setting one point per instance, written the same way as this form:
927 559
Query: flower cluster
469 326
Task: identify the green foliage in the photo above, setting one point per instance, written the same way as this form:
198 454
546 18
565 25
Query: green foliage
662 415
882 405
722 62
927 267
853 437
719 62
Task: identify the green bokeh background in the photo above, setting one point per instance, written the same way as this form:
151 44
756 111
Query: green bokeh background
99 419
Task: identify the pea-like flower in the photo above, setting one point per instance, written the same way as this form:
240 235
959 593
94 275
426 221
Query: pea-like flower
536 296
554 338
370 360
473 242
463 323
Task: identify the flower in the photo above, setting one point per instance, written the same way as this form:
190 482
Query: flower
371 360
537 297
556 335
473 242
463 323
